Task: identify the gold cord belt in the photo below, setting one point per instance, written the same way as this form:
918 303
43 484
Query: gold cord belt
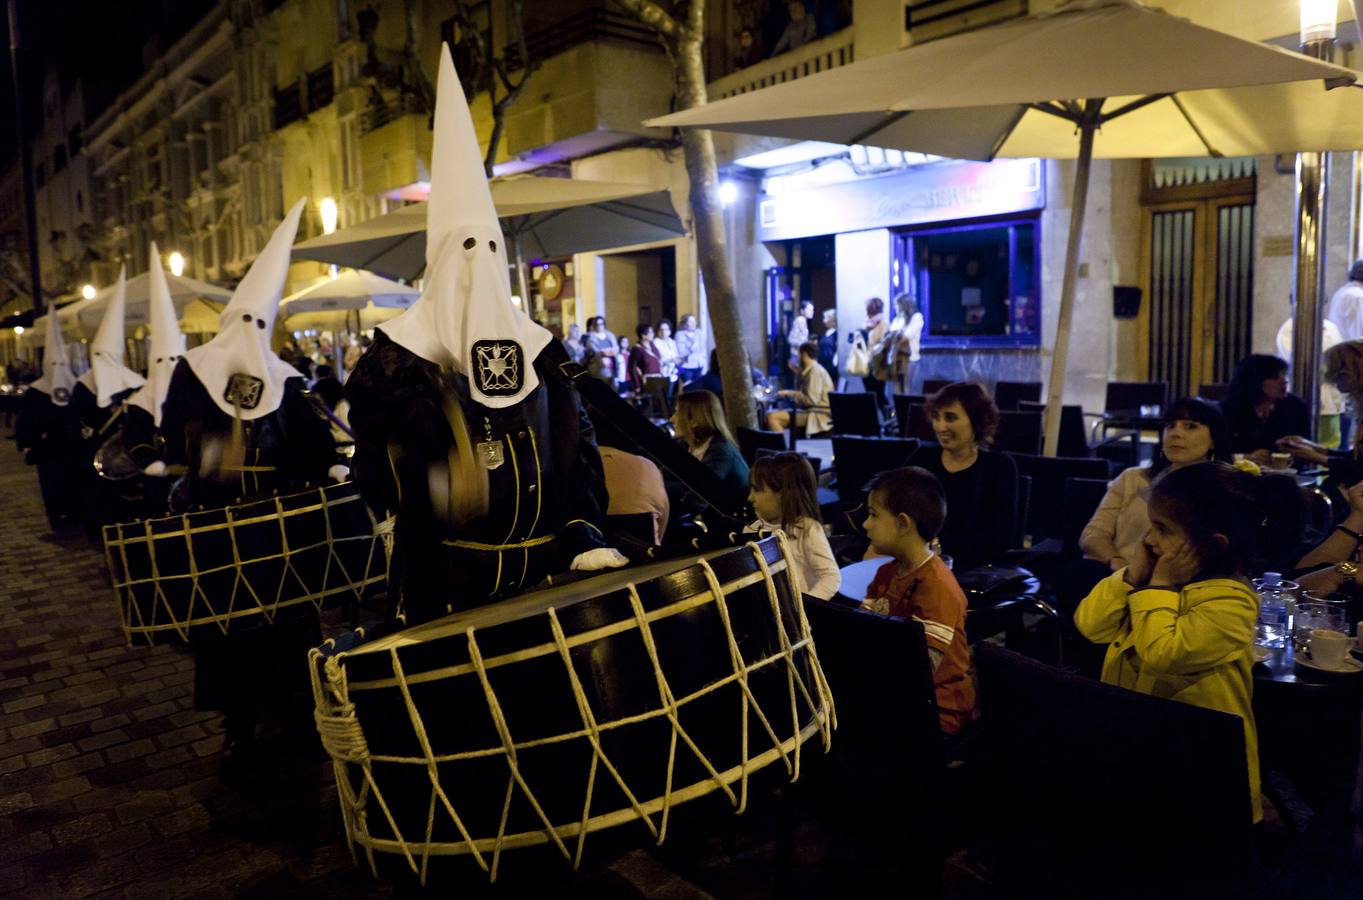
518 545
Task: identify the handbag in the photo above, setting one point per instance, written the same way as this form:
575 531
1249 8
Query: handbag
858 358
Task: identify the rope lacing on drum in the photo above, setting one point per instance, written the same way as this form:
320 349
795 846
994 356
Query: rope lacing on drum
594 738
788 650
149 616
348 743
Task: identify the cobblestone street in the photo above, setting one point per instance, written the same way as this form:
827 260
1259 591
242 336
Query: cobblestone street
108 777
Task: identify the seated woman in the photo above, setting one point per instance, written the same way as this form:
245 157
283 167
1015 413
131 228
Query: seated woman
1258 409
699 420
981 486
1194 430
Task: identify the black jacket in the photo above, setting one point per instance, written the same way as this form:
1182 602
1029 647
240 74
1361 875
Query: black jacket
547 498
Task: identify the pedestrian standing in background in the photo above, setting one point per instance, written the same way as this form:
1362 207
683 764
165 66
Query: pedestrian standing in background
906 332
828 345
876 328
643 359
690 350
1346 306
572 342
602 348
667 349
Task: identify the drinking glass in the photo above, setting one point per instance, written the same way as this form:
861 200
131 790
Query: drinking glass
1318 611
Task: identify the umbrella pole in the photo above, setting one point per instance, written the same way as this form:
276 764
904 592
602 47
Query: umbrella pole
1055 387
522 286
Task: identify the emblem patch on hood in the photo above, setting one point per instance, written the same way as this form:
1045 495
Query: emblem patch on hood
244 391
499 367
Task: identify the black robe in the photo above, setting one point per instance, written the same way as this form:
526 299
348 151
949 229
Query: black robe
255 664
49 436
102 503
547 499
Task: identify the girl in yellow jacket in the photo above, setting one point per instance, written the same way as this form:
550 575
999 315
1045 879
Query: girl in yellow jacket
1181 625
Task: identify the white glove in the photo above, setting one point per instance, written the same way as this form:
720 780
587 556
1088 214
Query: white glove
155 470
598 559
338 473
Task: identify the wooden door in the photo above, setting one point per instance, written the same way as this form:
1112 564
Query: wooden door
1197 271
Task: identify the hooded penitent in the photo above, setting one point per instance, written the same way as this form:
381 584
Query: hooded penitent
57 380
167 343
107 376
238 368
465 320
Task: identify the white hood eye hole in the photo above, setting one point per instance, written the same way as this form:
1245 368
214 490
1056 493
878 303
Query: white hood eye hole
260 323
470 243
493 245
160 359
246 317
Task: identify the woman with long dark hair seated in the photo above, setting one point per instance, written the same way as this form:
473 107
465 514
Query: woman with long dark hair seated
1258 408
1194 431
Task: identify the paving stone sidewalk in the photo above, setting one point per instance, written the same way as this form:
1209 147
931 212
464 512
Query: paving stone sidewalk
108 777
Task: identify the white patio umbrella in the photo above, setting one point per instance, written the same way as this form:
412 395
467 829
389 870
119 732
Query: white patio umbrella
182 291
1107 77
543 217
327 304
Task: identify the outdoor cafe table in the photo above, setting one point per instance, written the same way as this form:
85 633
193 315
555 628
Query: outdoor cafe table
1309 728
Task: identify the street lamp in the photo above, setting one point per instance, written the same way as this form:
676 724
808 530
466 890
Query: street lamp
88 292
177 264
329 213
18 330
728 192
1317 22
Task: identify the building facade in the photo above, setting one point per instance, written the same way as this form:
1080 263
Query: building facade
265 101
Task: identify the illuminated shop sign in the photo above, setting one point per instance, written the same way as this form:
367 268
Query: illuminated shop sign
936 193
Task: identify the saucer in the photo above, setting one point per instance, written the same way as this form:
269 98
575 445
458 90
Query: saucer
1270 470
1347 667
1261 653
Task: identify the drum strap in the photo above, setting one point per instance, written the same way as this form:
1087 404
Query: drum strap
517 545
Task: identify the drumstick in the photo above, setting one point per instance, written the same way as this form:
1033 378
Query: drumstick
466 496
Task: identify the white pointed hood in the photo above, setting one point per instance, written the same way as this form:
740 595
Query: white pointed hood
107 375
167 343
238 368
465 320
57 380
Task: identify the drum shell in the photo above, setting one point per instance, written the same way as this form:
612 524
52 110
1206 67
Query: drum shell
202 571
619 683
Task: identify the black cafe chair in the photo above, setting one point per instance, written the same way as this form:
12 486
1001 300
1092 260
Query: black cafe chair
1008 394
752 441
854 413
1061 750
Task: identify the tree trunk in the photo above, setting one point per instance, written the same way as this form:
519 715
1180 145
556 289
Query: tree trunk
698 147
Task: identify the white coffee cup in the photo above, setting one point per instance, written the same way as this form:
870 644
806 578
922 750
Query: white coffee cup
1329 648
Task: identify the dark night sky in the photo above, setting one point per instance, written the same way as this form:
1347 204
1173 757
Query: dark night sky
102 43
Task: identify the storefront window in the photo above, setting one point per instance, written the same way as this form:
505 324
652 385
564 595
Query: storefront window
976 285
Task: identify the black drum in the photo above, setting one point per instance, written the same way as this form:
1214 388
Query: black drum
209 569
539 720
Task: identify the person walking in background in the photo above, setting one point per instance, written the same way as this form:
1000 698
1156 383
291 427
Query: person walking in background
906 332
1345 308
875 330
667 349
690 350
1329 433
602 350
828 345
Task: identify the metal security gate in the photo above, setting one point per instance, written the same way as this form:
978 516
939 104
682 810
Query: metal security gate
1199 277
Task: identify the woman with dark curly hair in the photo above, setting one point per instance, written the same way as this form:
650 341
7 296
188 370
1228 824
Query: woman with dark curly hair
981 485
